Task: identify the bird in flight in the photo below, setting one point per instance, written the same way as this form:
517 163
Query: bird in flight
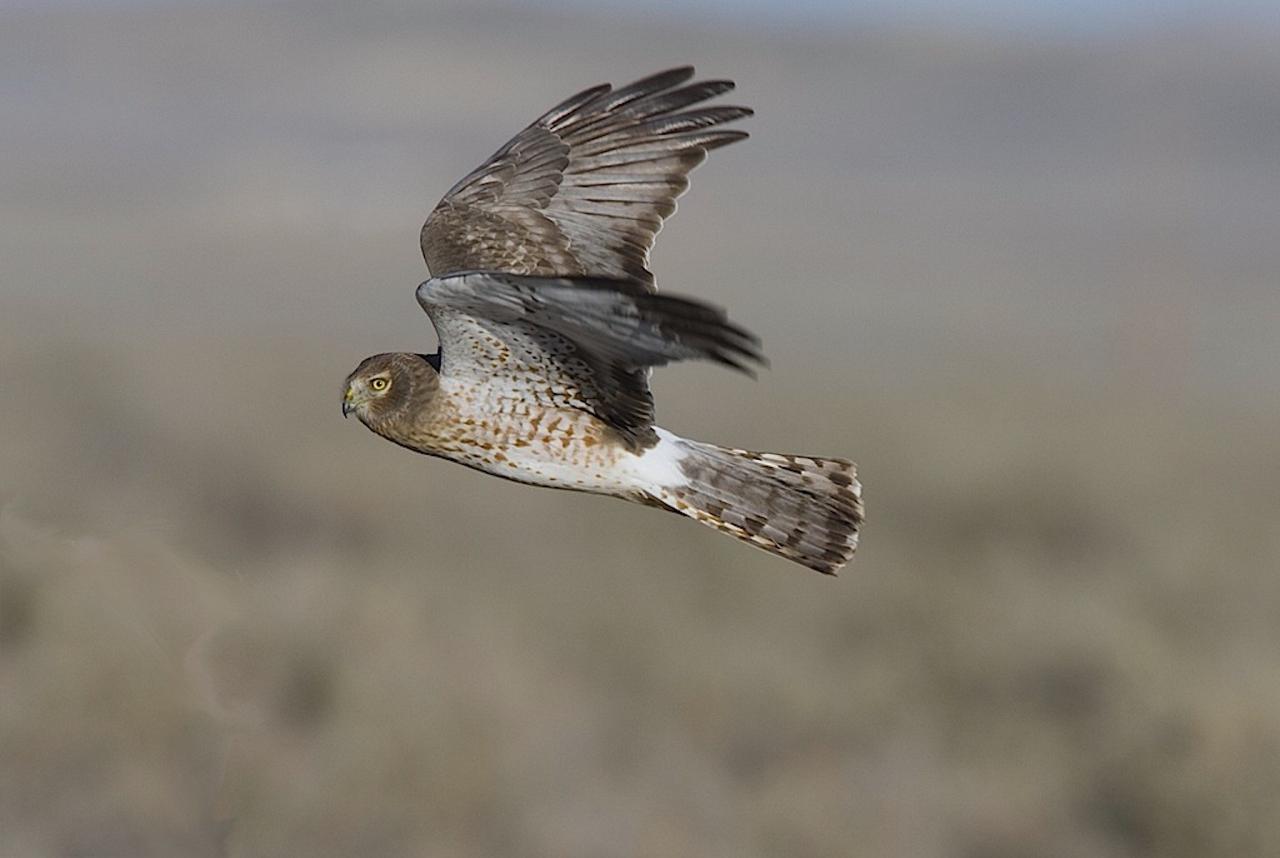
549 327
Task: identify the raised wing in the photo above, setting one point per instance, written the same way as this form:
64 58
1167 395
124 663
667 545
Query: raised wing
584 343
586 187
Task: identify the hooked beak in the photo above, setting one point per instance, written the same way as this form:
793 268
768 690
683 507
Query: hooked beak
348 405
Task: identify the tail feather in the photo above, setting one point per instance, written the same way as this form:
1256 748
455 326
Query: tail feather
806 509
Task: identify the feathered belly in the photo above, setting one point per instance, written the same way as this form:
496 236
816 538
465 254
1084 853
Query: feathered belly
561 448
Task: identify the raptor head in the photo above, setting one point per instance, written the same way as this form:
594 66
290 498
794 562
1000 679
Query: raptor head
389 387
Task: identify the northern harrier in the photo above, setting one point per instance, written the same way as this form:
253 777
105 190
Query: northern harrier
549 327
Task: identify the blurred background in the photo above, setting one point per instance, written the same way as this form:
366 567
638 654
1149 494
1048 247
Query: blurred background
1018 260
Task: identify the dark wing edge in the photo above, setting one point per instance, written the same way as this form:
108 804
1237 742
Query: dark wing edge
617 321
586 187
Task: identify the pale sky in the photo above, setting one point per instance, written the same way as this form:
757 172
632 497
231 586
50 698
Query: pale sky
1046 16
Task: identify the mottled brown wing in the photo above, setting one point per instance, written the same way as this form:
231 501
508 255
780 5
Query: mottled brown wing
585 188
584 343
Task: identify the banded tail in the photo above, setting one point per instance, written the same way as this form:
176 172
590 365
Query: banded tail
803 508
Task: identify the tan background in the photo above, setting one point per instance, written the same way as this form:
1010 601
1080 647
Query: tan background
1027 279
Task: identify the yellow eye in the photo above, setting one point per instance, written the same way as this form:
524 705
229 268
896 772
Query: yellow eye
380 383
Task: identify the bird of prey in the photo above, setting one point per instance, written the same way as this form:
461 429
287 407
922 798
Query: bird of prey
549 326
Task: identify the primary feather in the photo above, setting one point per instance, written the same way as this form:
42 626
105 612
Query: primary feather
586 341
585 188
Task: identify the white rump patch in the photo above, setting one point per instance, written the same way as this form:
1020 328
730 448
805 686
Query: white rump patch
659 466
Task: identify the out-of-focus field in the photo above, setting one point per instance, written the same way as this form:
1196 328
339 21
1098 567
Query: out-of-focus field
1029 284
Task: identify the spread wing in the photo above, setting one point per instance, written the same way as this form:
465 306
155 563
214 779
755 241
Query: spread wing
584 343
586 187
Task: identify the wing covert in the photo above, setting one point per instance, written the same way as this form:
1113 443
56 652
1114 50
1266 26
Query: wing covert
585 188
585 343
